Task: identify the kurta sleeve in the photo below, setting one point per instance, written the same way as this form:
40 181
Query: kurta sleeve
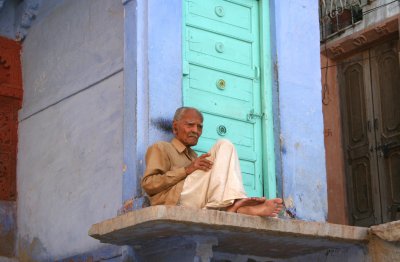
158 175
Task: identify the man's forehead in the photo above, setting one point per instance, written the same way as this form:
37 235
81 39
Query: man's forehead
191 115
191 121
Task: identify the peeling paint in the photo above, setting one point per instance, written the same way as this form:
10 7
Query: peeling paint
290 209
31 250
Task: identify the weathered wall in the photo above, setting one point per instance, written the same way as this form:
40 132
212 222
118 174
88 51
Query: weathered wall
70 134
8 228
336 182
299 81
153 82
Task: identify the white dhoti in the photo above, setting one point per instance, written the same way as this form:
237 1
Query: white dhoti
219 187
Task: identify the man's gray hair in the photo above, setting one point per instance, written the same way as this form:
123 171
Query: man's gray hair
180 111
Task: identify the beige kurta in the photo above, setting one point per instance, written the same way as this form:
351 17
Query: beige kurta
166 182
165 171
219 187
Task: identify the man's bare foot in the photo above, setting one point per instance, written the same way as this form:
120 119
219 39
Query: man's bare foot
250 201
269 208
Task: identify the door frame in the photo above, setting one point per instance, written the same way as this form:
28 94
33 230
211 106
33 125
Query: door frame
331 53
269 170
266 85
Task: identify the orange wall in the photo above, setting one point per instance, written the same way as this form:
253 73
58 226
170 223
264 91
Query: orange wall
337 203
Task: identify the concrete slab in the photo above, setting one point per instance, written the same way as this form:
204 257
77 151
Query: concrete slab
150 227
388 231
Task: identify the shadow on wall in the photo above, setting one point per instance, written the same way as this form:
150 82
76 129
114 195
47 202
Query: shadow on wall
163 124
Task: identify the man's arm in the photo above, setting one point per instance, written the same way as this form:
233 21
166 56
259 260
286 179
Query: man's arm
158 176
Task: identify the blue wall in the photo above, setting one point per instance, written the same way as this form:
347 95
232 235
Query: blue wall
298 76
153 58
70 152
156 92
299 127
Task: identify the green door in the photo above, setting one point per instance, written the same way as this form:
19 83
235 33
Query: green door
221 68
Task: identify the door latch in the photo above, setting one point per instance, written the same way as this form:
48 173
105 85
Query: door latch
251 116
256 73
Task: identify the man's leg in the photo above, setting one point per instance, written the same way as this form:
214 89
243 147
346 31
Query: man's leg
222 186
219 187
225 184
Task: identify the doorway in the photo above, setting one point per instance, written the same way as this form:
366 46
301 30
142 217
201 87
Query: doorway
222 77
369 84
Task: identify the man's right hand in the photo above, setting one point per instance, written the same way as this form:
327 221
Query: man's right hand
200 163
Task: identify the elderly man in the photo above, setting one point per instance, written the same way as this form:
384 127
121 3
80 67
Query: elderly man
176 176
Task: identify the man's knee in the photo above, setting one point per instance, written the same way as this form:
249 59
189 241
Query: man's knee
225 143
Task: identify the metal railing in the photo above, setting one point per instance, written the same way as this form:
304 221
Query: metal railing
337 15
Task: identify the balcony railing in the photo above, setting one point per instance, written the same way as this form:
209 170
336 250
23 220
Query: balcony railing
337 15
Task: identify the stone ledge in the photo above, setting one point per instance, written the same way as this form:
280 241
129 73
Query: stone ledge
235 233
389 231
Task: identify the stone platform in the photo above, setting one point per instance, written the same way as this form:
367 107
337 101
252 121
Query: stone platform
164 229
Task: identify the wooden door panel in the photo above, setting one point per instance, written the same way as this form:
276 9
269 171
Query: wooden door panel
386 92
357 126
227 94
220 52
240 133
231 18
362 193
393 166
355 106
370 89
221 78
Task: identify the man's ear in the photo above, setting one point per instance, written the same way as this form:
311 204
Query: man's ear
174 127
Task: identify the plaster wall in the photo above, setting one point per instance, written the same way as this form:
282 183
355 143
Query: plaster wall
296 30
153 82
165 64
70 46
336 182
70 155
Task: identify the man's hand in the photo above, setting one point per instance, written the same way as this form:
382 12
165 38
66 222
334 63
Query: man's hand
200 163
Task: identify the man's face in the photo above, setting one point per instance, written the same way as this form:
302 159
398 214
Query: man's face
189 128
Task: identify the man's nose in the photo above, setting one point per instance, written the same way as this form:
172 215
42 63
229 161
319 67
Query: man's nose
195 129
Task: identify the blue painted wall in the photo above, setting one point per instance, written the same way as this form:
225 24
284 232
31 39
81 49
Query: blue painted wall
297 91
300 108
69 171
153 58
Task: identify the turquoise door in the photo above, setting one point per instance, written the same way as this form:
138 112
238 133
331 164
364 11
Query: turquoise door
221 77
